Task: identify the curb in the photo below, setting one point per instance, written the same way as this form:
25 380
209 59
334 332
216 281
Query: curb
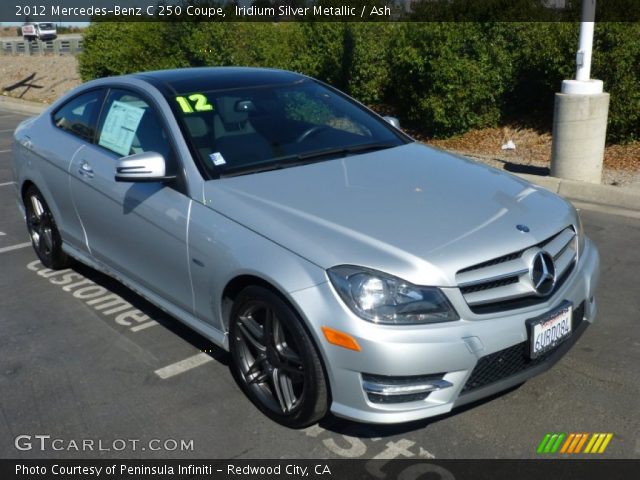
17 105
619 197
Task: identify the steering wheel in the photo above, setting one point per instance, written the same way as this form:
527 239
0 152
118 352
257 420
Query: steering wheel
311 131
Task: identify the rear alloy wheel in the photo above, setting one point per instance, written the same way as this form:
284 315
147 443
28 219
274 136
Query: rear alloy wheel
43 231
274 360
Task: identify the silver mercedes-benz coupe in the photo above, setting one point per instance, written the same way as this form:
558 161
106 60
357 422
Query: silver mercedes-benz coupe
343 265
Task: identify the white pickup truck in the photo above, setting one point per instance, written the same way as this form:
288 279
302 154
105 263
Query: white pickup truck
39 30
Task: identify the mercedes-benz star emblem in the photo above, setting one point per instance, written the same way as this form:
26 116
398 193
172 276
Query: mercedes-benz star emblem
543 273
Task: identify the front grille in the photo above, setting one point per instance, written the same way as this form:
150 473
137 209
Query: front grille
489 285
521 302
502 283
511 361
495 261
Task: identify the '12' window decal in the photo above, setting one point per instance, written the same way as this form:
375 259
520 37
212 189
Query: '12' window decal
196 102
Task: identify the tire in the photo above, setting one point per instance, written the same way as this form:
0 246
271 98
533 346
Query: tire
43 231
274 360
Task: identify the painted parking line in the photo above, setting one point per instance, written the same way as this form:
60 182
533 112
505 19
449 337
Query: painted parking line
183 366
15 247
99 298
6 130
2 234
5 184
5 151
144 326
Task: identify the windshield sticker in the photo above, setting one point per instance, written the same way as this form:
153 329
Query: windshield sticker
194 103
217 159
120 127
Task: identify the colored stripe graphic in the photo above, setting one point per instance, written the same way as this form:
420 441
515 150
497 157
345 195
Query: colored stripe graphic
598 442
543 443
567 443
573 443
606 442
584 439
551 442
556 445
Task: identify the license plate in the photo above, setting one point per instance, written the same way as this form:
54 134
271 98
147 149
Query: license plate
549 330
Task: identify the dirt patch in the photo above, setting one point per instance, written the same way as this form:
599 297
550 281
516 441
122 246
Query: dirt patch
532 153
39 78
9 31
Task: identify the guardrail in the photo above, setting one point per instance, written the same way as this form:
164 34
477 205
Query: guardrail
59 46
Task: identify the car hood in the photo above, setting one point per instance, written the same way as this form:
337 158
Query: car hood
412 211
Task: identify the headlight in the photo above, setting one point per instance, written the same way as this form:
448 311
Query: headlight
382 298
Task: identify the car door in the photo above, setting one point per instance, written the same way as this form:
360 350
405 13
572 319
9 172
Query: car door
69 129
137 229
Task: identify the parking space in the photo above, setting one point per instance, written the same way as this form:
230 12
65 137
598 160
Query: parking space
11 229
82 357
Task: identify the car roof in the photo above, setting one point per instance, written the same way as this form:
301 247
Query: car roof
202 79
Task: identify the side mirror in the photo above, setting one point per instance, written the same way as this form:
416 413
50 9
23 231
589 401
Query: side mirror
142 167
393 121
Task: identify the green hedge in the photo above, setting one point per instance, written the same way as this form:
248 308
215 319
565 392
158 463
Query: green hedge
449 78
442 78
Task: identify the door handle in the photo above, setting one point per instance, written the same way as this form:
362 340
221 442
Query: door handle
85 170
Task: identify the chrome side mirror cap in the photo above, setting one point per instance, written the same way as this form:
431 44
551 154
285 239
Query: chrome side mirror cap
393 121
142 167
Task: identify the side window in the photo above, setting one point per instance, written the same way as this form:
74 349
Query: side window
129 125
79 115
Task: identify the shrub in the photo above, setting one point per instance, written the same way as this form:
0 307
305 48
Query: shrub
449 77
543 54
112 48
616 61
367 59
446 78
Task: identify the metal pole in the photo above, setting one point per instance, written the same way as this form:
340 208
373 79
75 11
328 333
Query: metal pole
585 45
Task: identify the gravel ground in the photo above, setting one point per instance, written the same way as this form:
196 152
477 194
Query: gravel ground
47 76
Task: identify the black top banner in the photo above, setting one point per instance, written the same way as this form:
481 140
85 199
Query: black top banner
293 469
66 11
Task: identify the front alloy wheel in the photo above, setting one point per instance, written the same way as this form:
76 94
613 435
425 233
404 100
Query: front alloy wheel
274 360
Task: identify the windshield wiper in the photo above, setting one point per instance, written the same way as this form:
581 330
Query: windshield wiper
306 158
367 147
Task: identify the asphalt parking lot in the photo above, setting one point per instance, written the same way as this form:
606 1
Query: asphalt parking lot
91 360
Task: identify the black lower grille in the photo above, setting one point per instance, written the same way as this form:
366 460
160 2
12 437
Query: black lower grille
511 361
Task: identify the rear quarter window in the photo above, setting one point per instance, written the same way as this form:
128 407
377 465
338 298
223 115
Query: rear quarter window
79 115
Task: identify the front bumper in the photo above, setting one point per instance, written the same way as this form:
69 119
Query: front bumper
448 352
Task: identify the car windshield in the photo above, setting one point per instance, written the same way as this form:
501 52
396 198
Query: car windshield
46 26
248 130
